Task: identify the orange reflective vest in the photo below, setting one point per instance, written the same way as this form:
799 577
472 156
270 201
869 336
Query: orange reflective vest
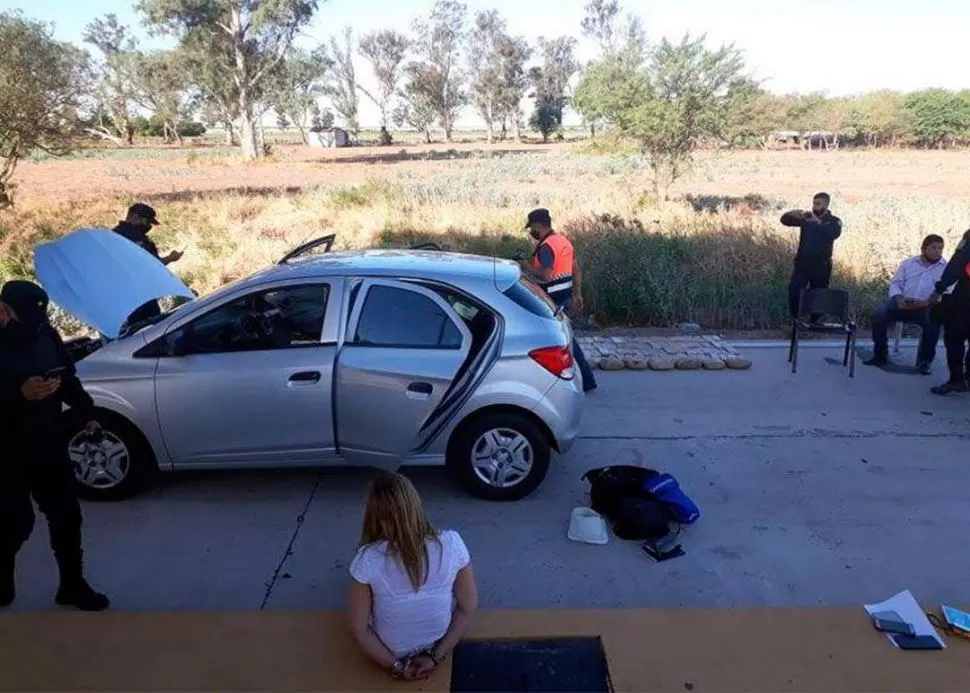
561 280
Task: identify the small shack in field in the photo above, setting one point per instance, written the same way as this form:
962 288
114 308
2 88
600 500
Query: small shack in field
329 138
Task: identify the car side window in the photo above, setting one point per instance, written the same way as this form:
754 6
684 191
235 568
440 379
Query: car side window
278 318
395 317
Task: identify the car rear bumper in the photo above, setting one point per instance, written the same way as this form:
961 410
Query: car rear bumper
562 410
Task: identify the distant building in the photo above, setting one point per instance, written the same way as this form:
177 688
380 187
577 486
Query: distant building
794 139
329 138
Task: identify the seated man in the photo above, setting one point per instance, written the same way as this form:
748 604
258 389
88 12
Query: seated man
909 291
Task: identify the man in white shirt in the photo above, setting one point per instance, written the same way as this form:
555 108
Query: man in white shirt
909 293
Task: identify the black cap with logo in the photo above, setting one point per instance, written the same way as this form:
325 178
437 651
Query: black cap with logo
142 210
538 216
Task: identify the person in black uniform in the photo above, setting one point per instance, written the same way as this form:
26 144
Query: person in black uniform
139 222
953 311
37 378
818 231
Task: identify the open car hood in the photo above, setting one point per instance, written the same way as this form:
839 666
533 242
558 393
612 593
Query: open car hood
100 277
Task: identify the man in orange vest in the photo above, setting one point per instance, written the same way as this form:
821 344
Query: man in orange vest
553 266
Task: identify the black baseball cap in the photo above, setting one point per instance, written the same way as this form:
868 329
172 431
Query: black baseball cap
538 216
143 210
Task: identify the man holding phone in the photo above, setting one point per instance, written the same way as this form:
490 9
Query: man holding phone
37 378
138 223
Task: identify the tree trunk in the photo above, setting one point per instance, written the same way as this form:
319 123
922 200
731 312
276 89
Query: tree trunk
247 120
427 135
516 128
592 131
489 124
260 137
505 123
249 137
304 135
447 126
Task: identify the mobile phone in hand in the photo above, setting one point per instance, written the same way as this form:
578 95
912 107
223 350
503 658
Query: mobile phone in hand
55 372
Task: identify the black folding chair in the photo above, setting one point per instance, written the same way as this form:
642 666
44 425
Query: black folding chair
824 311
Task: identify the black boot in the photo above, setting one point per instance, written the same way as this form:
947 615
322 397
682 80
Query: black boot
8 591
74 590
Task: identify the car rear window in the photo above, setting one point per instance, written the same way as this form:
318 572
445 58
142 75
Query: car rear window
531 297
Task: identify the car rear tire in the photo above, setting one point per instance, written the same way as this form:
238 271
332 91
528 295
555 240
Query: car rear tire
116 467
502 456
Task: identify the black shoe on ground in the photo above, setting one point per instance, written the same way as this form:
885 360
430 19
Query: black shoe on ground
948 387
82 596
924 367
878 361
589 388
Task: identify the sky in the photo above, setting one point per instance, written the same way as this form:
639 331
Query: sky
842 47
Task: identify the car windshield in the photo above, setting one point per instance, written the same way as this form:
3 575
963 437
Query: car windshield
176 304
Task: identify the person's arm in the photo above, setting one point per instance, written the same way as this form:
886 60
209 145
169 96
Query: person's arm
75 396
466 596
896 284
830 228
361 603
71 391
547 259
954 269
577 285
794 218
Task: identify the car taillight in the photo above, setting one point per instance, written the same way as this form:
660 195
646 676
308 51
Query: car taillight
557 360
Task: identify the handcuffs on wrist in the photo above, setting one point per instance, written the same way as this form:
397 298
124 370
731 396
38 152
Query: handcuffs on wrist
399 667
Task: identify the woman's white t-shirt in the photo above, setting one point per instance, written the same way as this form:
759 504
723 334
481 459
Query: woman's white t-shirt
406 620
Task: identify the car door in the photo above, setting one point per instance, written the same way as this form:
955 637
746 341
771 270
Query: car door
403 348
250 381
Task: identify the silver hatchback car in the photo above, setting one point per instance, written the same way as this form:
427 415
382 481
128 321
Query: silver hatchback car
379 358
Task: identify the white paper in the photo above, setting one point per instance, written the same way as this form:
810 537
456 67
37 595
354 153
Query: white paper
909 610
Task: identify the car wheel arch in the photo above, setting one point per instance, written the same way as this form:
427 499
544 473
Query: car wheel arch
478 414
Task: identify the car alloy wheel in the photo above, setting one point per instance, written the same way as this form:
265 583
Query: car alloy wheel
100 465
502 458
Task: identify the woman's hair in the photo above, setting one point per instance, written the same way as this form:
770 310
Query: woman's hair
395 514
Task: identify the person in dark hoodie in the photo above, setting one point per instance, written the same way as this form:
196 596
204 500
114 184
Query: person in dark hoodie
818 231
139 222
37 378
953 311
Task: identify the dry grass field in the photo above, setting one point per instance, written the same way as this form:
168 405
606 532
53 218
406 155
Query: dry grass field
715 255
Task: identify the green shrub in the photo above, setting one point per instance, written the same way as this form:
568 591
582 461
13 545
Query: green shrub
722 273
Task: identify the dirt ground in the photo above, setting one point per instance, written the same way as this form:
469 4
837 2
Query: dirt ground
853 174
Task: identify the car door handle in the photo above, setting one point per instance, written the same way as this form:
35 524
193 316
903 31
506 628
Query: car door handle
419 391
305 378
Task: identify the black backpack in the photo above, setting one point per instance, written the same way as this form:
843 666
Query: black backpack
619 494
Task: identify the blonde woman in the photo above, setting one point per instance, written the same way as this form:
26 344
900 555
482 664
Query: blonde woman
413 591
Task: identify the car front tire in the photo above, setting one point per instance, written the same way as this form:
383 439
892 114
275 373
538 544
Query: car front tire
501 456
114 468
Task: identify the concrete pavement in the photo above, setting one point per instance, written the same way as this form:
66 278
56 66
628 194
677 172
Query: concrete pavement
814 490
